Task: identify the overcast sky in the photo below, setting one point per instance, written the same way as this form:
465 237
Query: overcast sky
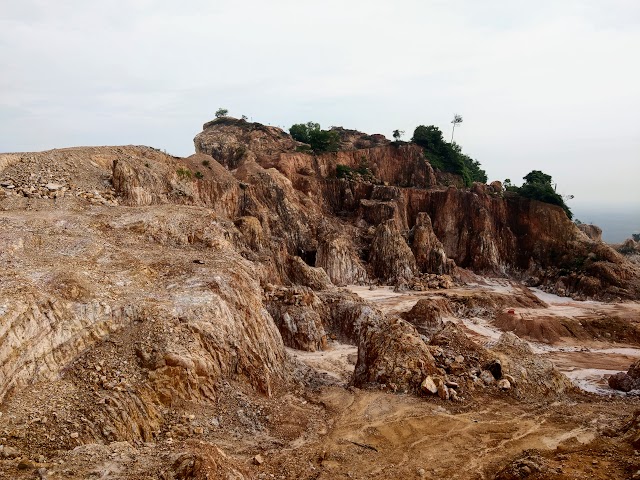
547 85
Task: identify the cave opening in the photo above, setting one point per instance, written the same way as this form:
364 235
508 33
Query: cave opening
308 256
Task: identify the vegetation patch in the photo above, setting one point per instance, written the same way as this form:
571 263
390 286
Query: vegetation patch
319 140
447 157
538 186
184 173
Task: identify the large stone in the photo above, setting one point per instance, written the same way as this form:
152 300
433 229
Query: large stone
429 386
621 381
390 351
426 316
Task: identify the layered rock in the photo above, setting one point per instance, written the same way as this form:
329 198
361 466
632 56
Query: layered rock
427 249
135 287
391 258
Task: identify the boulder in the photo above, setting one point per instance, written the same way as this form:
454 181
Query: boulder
390 351
426 316
429 386
622 382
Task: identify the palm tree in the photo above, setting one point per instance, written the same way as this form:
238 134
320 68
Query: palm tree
456 120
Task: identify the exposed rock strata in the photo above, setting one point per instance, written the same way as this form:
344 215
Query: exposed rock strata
484 229
391 258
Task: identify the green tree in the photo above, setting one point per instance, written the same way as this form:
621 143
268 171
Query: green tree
221 112
447 157
538 186
319 140
457 120
397 135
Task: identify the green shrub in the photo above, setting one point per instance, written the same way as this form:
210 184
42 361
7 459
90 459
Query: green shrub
184 173
199 175
538 186
363 170
318 140
447 157
342 171
206 163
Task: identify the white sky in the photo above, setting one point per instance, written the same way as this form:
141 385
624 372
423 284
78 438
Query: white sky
546 85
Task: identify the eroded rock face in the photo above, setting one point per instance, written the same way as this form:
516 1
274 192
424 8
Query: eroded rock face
429 252
484 229
186 325
336 255
592 231
391 258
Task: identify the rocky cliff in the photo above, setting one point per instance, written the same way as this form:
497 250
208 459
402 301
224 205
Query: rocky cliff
143 296
482 228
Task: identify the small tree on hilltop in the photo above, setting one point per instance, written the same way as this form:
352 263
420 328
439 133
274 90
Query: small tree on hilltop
457 119
221 112
397 134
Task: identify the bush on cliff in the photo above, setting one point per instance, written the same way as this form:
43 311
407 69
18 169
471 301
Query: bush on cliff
538 186
446 156
319 140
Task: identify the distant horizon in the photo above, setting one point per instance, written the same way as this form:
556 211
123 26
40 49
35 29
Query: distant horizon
617 222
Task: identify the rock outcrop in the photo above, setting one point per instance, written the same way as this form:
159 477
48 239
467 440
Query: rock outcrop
427 249
391 258
592 231
391 353
484 229
231 141
426 316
